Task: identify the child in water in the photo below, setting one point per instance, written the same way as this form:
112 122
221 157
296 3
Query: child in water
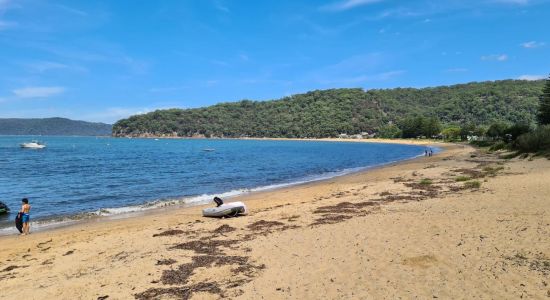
25 210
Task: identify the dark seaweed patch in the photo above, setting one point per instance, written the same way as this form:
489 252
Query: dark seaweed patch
169 232
206 246
331 219
472 173
264 225
183 293
166 262
422 186
183 272
224 229
10 268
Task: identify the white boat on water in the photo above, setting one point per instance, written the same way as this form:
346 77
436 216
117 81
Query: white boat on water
33 145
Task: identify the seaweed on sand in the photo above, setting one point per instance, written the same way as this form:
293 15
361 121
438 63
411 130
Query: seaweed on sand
223 229
183 272
263 225
208 246
184 292
166 262
169 232
10 268
331 219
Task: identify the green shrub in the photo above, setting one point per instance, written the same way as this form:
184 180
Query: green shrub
426 181
472 184
517 130
534 142
389 131
462 178
498 146
492 171
451 133
482 144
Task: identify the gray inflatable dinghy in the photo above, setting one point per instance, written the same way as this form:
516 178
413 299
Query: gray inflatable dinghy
226 210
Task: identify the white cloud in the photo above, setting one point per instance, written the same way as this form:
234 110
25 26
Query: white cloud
4 5
221 7
531 77
72 10
5 24
532 44
384 76
347 4
38 91
220 63
44 66
495 57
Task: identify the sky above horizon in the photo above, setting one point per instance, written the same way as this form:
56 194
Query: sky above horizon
107 60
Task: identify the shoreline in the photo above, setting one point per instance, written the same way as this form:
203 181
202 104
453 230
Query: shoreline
374 234
367 140
157 206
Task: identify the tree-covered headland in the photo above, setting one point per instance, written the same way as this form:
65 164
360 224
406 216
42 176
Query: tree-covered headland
450 112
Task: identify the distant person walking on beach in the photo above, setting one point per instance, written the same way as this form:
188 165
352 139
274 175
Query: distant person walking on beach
25 210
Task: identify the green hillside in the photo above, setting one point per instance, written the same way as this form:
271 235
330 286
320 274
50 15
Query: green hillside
52 126
327 113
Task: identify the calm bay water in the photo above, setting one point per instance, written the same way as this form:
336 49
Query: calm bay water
75 175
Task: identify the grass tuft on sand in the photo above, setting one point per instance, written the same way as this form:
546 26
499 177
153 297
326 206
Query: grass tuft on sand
426 181
462 178
475 184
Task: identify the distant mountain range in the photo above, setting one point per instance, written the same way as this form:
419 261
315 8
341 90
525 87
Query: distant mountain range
53 126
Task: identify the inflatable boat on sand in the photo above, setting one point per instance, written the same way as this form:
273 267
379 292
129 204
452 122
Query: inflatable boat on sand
232 209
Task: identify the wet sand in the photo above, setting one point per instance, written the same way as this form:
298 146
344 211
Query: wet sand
407 230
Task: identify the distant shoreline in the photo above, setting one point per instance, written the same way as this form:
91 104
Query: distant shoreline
370 140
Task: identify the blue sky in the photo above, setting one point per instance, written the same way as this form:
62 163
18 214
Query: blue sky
105 60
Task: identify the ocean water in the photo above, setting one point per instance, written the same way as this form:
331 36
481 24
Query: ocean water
82 176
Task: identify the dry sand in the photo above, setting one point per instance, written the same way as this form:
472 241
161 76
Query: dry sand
379 234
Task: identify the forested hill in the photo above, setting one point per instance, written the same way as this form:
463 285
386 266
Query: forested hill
52 126
326 113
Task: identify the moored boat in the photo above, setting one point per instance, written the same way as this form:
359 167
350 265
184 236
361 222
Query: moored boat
33 145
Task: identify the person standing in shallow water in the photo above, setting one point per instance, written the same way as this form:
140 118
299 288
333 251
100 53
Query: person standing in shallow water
26 210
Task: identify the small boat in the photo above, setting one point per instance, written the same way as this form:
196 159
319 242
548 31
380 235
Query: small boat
232 209
208 149
33 145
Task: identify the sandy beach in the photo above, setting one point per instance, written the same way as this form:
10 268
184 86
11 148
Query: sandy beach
422 228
